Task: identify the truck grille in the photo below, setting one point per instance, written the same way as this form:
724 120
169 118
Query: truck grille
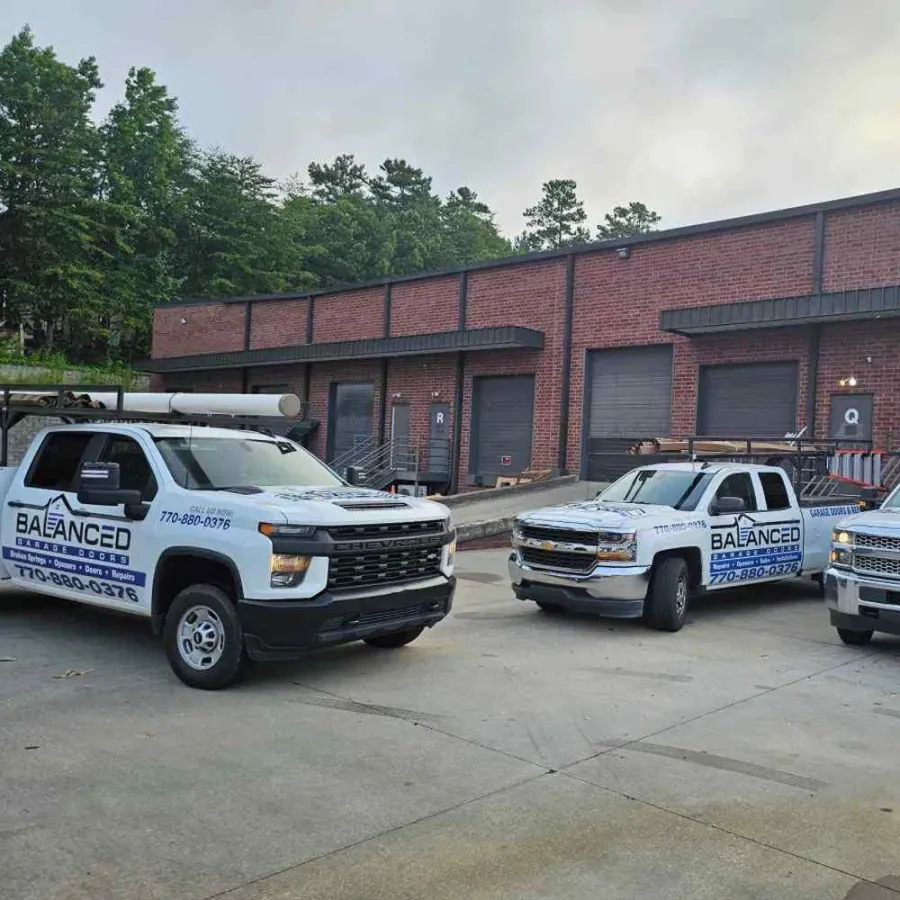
559 535
553 559
356 572
386 530
877 565
876 542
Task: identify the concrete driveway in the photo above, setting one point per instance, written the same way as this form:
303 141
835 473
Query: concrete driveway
507 754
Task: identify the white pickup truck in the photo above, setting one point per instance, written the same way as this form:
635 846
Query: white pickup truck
862 585
661 533
234 544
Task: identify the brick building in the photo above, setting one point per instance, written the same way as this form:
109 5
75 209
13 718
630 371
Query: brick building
754 326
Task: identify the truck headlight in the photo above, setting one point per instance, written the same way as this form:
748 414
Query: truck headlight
286 531
617 547
839 536
287 570
449 560
842 558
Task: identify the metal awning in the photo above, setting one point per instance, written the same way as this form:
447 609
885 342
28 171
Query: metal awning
869 303
499 338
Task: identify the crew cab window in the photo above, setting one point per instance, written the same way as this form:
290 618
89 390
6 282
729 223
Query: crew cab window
775 490
135 473
56 465
738 485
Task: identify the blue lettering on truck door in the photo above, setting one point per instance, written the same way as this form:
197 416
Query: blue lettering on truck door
52 547
745 550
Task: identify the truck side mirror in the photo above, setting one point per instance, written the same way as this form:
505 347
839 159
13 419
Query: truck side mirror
98 485
728 506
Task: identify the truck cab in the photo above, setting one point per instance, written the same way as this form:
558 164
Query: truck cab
234 544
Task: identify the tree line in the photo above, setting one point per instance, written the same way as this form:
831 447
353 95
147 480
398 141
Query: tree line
101 221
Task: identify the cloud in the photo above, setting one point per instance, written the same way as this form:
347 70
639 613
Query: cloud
700 108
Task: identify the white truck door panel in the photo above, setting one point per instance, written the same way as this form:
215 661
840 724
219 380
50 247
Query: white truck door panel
53 543
757 545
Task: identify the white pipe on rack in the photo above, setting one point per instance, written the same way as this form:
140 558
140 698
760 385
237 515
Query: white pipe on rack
275 405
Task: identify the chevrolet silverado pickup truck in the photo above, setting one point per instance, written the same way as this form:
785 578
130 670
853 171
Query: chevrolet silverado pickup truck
862 584
234 544
661 533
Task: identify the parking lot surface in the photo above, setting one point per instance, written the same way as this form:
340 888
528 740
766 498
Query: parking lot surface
506 754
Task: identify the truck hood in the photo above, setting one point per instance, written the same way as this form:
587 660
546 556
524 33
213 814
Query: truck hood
877 521
327 506
609 516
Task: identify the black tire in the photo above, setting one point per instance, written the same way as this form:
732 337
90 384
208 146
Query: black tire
221 621
667 599
394 639
855 638
552 609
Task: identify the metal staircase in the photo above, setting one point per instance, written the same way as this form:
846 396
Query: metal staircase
379 465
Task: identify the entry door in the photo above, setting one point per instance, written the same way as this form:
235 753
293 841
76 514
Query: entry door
351 410
761 544
439 438
400 448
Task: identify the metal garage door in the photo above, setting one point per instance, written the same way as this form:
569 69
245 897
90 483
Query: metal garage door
502 416
351 409
756 400
630 392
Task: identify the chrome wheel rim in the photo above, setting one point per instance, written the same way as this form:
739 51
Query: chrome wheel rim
681 597
201 638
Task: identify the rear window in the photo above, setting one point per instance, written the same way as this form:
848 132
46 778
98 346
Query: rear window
775 490
56 465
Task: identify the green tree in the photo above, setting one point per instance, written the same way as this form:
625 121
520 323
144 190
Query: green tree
625 221
345 177
470 232
147 160
401 184
49 261
234 239
557 220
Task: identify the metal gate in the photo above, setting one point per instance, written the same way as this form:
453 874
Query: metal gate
502 421
754 400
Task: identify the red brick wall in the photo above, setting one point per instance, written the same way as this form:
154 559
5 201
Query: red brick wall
214 328
425 307
415 379
290 375
277 323
322 376
618 301
862 247
532 296
351 316
843 349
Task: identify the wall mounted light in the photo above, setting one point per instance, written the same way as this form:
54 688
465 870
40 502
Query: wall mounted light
623 252
183 320
848 381
397 396
436 393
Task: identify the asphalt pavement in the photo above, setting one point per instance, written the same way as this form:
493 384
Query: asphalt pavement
506 754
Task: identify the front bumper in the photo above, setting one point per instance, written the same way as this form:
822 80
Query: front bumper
617 592
862 603
285 630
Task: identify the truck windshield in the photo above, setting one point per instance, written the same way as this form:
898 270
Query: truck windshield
209 464
660 487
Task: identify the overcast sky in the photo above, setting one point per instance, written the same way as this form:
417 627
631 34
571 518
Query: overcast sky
702 109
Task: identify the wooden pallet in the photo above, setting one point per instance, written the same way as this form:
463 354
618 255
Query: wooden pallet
525 477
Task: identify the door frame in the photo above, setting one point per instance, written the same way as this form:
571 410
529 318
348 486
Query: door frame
475 427
331 420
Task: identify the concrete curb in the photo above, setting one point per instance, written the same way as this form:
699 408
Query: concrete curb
477 531
494 493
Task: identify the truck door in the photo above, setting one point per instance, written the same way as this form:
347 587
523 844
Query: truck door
760 543
52 542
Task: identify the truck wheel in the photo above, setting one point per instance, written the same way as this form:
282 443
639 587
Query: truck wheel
667 600
855 638
553 609
203 638
394 639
